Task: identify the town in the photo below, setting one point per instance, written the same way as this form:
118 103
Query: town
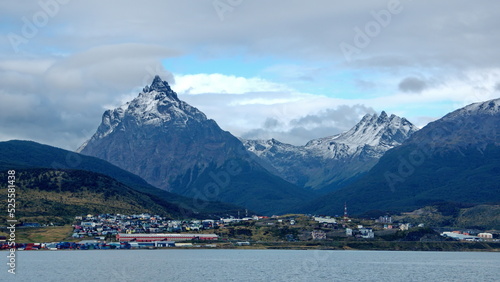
119 231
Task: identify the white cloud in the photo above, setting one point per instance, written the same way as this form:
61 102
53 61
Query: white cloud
298 117
97 54
227 84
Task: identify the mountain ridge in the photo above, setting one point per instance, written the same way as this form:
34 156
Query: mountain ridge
174 146
453 159
333 161
17 154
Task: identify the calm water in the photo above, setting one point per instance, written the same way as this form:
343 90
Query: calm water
251 265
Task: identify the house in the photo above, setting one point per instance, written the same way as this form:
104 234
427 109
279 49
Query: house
88 224
366 233
485 235
348 232
318 235
404 226
384 219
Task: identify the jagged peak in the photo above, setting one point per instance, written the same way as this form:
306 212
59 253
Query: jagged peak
367 117
162 88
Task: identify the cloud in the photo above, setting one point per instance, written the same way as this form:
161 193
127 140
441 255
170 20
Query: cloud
118 67
497 87
295 72
412 85
59 100
93 55
219 83
323 123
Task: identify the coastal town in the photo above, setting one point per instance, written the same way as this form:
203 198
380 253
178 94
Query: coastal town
119 231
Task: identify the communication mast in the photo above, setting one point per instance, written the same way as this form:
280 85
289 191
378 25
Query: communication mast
345 212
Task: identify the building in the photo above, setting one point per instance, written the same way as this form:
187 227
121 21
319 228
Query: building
318 235
324 219
348 232
404 226
458 236
384 219
143 237
485 235
366 233
246 243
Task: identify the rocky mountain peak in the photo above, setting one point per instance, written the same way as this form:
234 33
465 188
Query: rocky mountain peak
336 158
157 106
161 89
376 130
173 146
383 115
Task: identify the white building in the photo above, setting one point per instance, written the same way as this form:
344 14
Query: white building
348 232
459 236
485 235
366 233
325 219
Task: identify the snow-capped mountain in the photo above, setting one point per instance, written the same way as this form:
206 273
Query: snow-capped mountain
175 147
156 106
453 159
473 125
373 134
336 159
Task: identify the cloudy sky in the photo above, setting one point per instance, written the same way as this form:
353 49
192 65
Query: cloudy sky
286 69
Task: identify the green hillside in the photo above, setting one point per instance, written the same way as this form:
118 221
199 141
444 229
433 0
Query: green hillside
467 175
44 195
256 189
17 154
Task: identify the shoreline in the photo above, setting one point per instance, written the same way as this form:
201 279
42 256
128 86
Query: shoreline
336 245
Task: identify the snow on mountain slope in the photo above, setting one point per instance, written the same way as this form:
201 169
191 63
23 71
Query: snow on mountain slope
491 107
473 125
156 106
173 146
337 158
380 132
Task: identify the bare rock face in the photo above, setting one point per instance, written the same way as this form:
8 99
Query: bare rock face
455 159
173 146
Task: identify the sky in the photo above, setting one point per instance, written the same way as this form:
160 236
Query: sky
285 69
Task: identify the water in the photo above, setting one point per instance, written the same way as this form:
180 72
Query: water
252 265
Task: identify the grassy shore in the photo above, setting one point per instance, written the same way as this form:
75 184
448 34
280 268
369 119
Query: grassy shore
43 234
